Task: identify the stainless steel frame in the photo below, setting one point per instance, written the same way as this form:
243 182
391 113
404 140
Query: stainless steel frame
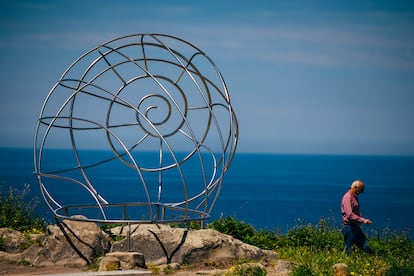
160 110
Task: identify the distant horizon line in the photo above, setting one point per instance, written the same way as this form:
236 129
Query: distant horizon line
238 152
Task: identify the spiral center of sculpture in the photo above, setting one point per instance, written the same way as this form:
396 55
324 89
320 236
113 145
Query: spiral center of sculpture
153 111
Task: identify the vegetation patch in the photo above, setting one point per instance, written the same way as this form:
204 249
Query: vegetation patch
247 269
17 213
314 249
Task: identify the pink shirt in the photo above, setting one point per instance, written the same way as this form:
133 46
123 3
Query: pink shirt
351 213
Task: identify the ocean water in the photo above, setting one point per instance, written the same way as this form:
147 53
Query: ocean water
272 191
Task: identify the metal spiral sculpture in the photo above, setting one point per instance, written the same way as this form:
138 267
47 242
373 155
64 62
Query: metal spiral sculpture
158 110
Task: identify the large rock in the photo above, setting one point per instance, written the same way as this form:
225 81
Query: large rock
13 241
163 245
71 243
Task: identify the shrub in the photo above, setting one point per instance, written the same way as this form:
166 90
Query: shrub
393 244
229 225
195 225
398 271
315 237
264 239
16 213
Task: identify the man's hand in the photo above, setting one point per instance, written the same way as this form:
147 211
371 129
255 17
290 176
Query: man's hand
368 221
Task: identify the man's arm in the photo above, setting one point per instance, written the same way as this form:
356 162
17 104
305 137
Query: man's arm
347 209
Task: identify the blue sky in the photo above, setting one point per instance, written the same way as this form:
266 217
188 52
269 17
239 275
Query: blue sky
324 77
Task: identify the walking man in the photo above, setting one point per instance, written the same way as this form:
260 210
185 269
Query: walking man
352 219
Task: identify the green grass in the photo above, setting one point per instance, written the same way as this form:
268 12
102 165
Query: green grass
316 248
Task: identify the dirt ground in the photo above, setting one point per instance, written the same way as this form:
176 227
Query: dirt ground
10 269
20 270
7 269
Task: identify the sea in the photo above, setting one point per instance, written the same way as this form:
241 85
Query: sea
281 191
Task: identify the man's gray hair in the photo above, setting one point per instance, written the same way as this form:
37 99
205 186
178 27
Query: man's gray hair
356 184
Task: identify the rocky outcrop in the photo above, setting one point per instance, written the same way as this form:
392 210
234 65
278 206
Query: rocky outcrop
163 244
77 244
70 243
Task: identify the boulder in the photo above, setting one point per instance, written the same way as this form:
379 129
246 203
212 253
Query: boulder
341 269
129 260
164 245
71 243
109 264
13 241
